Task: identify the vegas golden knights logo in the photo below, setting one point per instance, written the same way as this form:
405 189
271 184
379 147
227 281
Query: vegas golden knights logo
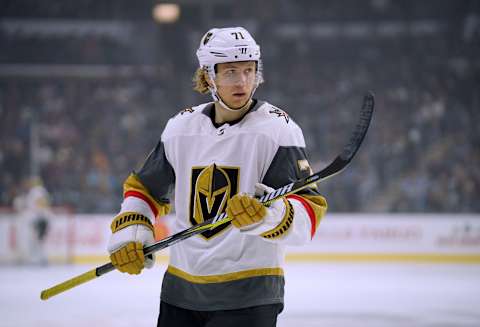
211 188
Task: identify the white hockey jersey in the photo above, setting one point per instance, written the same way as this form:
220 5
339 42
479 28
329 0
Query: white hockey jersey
207 164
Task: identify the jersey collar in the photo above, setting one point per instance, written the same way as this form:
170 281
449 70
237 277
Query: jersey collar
209 111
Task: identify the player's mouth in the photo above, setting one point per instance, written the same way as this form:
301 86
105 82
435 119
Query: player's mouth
239 94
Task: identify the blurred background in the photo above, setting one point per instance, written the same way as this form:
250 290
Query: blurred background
86 88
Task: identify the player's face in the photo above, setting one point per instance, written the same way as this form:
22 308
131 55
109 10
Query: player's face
235 82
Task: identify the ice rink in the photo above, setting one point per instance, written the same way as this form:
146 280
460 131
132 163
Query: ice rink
317 294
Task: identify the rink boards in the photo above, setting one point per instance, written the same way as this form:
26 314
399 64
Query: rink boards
442 238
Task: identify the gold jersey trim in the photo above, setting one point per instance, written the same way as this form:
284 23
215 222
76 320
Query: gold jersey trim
225 277
318 205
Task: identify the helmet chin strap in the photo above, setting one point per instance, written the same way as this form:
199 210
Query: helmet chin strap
216 97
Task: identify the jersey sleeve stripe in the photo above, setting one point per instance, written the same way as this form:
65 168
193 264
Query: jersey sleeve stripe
310 212
134 187
319 205
144 198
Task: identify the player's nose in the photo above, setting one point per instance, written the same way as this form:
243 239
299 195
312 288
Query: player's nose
242 80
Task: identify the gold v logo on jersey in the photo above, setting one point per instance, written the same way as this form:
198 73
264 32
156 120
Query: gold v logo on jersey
211 188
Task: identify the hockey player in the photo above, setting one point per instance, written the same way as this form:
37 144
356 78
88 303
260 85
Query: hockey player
33 207
218 156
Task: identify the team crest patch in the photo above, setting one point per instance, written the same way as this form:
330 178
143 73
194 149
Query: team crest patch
303 165
211 188
305 170
184 111
280 113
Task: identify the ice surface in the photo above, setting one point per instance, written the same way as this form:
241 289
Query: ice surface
317 294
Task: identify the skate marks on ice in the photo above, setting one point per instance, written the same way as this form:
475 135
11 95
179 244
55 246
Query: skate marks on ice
326 295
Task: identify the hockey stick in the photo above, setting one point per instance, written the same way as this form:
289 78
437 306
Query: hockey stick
337 165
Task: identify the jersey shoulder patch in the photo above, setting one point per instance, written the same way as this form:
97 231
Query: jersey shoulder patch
185 121
275 115
188 110
279 113
282 127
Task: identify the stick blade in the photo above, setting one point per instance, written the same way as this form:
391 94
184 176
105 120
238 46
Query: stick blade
361 128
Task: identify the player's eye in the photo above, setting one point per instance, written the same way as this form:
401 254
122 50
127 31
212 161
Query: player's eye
229 72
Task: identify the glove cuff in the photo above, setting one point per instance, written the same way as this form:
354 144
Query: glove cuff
129 218
284 225
277 222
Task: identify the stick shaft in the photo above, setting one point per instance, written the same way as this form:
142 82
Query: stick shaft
68 284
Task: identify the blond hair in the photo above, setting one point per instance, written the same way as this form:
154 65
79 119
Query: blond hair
200 83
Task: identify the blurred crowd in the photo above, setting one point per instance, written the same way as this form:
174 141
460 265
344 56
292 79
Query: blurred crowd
422 153
90 136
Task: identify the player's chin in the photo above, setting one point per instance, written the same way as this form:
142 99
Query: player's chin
238 101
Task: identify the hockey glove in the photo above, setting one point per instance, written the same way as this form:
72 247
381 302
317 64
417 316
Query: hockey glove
250 216
245 210
131 231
